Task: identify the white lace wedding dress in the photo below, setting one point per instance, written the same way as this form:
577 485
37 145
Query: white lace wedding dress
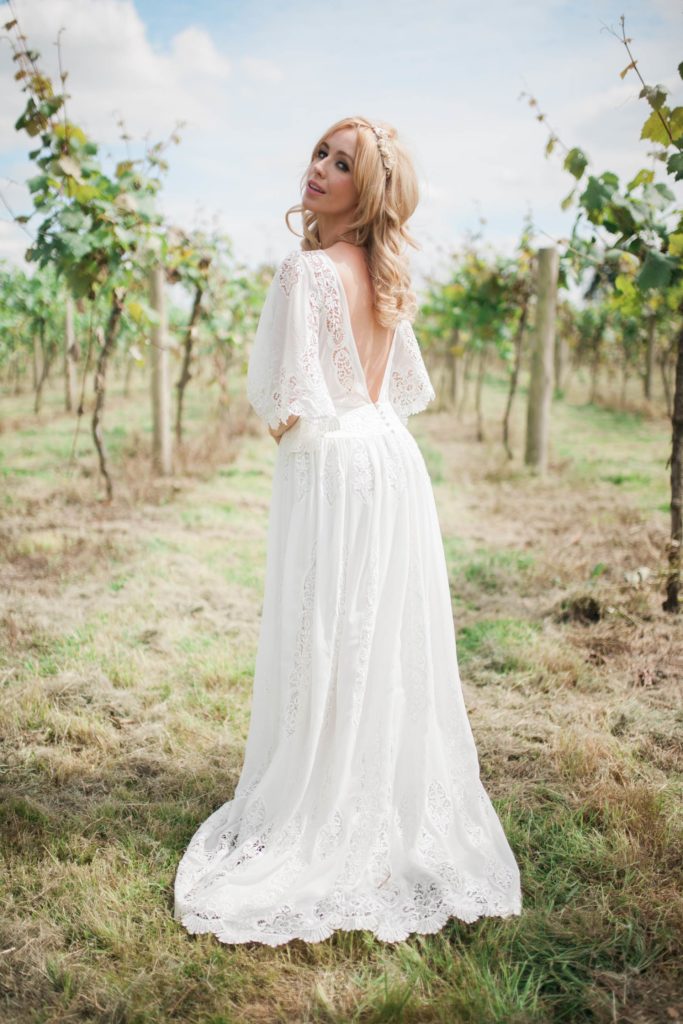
359 804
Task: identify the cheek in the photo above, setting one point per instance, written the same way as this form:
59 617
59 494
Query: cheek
346 186
353 194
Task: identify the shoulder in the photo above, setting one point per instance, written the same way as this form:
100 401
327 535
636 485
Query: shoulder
351 261
297 268
290 271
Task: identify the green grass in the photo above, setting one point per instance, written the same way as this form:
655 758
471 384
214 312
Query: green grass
637 479
485 569
433 460
126 663
504 645
620 448
589 914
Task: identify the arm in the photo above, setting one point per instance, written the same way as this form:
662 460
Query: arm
285 379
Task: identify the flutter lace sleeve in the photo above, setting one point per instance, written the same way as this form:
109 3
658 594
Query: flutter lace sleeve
284 376
410 389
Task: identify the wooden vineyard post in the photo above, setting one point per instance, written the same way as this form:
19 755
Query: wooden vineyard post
37 361
161 398
70 356
560 358
673 582
542 356
650 356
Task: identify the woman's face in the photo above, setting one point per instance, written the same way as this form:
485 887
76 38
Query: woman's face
331 169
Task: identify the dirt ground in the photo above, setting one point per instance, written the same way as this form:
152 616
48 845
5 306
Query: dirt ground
128 633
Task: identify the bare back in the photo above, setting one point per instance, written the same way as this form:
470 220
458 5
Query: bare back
372 340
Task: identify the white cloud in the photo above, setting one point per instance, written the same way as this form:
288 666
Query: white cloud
260 70
195 54
448 76
114 70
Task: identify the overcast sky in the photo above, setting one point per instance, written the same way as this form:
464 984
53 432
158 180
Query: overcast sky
258 82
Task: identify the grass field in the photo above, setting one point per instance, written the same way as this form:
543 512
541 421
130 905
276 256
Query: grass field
128 633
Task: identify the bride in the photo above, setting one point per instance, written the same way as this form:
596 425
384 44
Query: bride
359 805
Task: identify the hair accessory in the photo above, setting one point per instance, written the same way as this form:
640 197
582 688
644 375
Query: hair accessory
382 138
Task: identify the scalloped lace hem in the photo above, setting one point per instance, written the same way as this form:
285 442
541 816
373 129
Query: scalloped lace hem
387 930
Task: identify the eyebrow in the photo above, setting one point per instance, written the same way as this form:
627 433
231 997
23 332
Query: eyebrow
326 143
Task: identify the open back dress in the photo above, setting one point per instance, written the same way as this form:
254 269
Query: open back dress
359 804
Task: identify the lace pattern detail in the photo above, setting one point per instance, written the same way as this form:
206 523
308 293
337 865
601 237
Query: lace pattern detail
365 894
365 642
285 375
414 637
303 474
396 471
327 466
290 272
329 837
332 475
253 818
363 479
439 807
301 671
410 389
342 358
392 908
340 612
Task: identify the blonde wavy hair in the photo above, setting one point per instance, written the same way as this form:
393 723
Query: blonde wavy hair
385 203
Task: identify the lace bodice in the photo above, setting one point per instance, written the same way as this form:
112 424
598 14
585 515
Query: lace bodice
304 359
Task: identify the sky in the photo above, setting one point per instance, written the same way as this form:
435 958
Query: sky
258 82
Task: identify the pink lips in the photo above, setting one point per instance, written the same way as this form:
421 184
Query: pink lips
314 187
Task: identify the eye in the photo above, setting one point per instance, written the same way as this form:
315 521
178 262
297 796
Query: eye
342 162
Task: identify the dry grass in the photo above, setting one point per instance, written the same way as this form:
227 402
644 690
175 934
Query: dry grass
127 639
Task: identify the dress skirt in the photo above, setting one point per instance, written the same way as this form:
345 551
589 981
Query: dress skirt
359 805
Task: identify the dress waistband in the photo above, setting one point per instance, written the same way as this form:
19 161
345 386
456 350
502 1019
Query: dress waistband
371 418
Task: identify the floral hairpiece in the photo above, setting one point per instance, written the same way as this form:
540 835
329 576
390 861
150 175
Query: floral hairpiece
382 137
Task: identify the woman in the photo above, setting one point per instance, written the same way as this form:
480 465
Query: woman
359 804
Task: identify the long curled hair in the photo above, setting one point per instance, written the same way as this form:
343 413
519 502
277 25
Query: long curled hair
385 203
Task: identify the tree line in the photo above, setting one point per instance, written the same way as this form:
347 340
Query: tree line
104 256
